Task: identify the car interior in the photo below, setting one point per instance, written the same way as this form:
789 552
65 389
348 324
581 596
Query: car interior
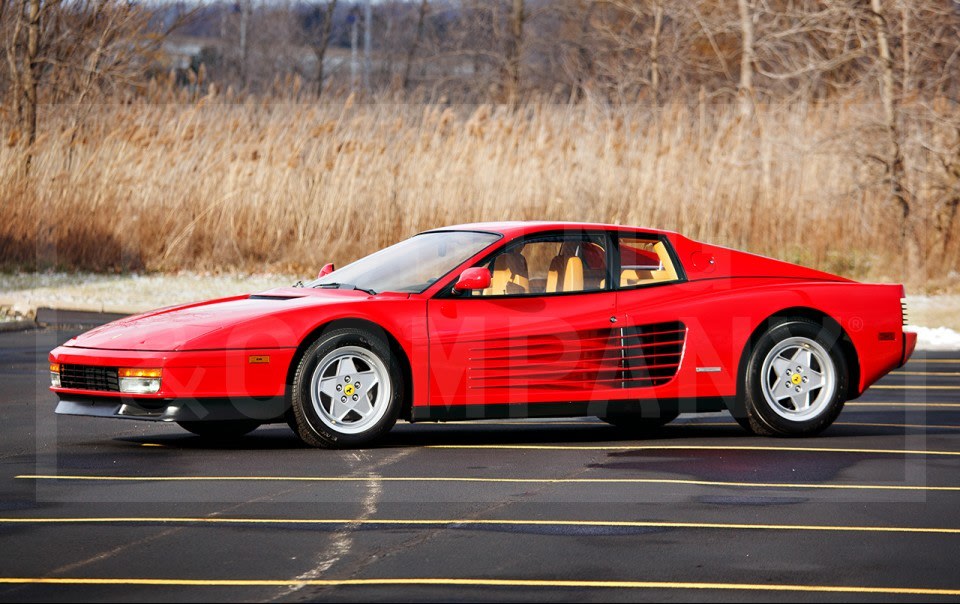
643 262
575 265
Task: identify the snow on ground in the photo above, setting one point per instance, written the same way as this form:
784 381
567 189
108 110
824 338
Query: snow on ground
936 338
22 293
940 309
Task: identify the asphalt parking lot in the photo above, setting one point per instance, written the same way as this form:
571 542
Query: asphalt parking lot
562 510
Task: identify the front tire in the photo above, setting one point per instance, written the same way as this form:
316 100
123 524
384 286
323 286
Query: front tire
795 381
347 390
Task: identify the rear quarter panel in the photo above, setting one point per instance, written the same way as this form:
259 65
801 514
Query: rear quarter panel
722 314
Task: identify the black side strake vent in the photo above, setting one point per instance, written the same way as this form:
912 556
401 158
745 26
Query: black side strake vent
652 353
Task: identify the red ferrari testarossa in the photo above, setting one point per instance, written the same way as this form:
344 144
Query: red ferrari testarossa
493 320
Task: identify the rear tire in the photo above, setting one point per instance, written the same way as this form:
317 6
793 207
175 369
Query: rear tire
221 430
347 390
795 381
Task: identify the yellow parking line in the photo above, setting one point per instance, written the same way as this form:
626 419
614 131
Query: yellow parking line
523 422
936 373
473 479
881 425
700 448
868 424
484 522
710 424
695 423
943 361
888 387
458 582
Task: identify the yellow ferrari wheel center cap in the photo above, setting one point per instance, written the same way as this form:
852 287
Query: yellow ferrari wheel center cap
349 390
796 379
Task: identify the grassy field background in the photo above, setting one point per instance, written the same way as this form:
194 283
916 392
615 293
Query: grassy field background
287 187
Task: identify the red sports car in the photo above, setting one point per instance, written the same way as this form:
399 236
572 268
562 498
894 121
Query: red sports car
524 319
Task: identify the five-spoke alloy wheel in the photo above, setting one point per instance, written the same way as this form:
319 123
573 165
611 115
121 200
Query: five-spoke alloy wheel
347 390
799 378
795 380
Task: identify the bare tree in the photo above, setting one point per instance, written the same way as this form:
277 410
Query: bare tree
655 50
514 48
417 40
319 36
747 56
246 7
896 172
24 61
70 52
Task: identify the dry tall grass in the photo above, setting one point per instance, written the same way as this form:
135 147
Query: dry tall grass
254 186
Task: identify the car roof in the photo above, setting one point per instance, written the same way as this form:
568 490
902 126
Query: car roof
515 228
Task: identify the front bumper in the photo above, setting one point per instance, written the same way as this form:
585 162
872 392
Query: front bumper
266 410
200 374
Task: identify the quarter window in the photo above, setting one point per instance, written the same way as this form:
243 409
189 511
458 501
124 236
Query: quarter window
644 261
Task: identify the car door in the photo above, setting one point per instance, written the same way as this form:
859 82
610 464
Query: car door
541 333
650 310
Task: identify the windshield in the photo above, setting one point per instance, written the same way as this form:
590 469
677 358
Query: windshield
412 265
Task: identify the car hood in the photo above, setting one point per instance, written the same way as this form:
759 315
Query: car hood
216 323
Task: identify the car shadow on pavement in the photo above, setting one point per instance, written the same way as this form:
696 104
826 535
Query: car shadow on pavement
278 437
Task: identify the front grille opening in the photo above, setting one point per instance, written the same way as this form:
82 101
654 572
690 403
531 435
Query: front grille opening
88 377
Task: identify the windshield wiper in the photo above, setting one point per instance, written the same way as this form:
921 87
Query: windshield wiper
346 286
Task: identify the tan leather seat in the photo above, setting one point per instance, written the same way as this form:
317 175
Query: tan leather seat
593 263
629 276
565 274
665 272
509 276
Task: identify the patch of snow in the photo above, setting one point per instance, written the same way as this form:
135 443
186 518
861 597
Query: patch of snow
936 338
23 293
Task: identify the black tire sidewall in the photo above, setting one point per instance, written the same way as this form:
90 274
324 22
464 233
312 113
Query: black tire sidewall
310 427
759 413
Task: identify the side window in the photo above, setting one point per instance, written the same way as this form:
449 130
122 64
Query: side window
644 260
549 265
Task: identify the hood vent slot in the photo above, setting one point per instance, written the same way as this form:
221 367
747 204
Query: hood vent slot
271 297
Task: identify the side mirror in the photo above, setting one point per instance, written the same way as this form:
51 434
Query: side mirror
326 270
473 278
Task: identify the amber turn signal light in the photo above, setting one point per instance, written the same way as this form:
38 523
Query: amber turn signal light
141 373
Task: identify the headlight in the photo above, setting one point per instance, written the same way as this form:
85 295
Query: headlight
55 375
139 381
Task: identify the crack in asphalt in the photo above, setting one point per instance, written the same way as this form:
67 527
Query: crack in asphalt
380 553
343 538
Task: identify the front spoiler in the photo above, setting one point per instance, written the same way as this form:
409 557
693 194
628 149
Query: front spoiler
266 410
